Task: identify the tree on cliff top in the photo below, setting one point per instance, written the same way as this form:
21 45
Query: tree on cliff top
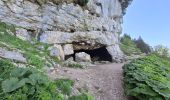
144 47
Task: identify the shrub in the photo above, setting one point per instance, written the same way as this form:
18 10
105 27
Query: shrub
148 78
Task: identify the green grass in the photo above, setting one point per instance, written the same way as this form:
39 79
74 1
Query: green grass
148 78
34 56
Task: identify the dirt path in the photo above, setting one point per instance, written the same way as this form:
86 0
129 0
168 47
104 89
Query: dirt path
103 81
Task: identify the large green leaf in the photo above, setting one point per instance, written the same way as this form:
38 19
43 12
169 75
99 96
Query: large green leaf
148 78
18 72
1 79
38 78
12 84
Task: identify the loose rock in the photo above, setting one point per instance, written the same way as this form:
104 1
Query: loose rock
82 57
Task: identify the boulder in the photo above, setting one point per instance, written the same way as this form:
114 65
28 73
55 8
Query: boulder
68 49
57 51
23 34
12 55
82 57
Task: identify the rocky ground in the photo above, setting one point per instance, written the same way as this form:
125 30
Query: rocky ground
103 81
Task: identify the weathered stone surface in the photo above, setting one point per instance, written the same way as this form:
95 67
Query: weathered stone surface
12 55
68 49
64 18
106 8
23 34
80 40
56 51
70 59
90 27
116 53
82 57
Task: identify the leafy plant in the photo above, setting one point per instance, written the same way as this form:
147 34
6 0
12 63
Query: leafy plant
12 84
26 83
64 86
148 78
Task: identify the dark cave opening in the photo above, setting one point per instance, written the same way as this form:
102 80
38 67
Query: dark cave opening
100 54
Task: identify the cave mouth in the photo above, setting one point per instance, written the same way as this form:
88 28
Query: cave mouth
100 54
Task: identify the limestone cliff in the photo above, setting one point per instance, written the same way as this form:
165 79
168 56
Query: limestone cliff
92 27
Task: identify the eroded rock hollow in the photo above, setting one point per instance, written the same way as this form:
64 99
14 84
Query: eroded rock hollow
93 29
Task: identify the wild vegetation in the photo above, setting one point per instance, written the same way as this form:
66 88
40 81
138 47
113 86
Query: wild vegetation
26 84
162 51
148 78
35 57
29 82
128 46
134 46
125 4
142 45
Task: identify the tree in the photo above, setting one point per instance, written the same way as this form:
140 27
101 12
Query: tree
144 47
128 46
161 50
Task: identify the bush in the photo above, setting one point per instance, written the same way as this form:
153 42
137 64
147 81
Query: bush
148 78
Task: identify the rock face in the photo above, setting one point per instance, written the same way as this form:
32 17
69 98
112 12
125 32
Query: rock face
12 55
22 34
96 25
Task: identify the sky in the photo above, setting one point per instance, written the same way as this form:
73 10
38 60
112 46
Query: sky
149 19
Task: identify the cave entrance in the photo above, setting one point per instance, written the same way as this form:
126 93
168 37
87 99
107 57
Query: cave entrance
100 54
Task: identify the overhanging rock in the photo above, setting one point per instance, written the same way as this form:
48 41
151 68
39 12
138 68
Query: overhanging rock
95 26
86 41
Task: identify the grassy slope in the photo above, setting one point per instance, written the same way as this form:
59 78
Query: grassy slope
35 57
